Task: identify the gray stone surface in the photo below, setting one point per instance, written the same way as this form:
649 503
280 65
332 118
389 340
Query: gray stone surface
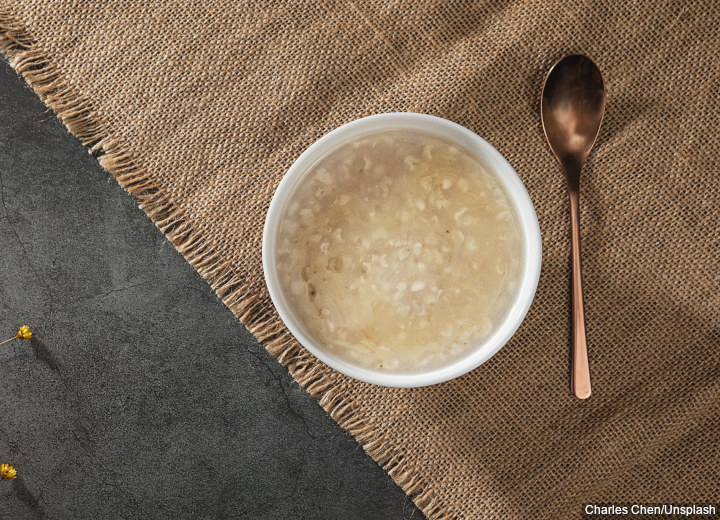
142 397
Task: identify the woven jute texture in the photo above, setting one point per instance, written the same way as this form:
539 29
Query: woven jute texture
199 108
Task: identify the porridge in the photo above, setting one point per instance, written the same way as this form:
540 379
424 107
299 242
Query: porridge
399 252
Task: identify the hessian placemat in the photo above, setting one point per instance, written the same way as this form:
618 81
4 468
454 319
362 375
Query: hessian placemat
199 108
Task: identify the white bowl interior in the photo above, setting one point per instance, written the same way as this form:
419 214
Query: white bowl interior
519 198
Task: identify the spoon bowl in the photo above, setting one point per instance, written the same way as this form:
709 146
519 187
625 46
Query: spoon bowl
572 107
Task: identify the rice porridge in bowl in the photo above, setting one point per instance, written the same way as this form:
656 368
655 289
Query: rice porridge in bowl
398 252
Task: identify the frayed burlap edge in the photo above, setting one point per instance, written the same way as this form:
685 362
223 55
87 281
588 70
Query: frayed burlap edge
29 60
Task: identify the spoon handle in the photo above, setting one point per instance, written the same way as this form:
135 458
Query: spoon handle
580 371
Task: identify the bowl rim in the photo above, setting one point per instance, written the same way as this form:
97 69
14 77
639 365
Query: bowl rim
515 189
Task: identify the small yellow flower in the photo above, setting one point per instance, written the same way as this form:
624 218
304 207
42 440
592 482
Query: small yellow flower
25 333
8 472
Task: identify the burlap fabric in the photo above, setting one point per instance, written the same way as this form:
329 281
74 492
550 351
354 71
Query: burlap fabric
198 109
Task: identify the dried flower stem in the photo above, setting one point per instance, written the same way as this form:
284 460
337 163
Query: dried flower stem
23 333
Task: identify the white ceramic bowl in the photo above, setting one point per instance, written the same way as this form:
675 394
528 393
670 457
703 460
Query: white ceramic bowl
524 211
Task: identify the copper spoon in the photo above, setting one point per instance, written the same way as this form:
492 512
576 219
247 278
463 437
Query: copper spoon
572 108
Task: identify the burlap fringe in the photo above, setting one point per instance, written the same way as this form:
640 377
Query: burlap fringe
29 60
